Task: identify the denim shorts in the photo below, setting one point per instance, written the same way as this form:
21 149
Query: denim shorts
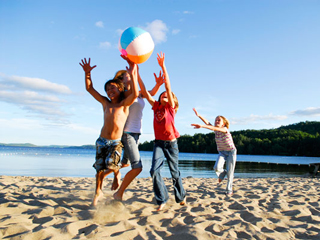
131 153
108 154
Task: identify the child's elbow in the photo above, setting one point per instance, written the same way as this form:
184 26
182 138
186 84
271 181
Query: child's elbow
89 88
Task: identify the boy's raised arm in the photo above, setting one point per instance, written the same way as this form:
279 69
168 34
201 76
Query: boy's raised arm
89 86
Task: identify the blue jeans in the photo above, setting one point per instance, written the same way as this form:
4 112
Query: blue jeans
170 151
230 158
131 153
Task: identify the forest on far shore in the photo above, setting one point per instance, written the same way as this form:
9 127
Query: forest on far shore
300 139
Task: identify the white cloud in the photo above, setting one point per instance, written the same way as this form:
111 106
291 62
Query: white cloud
119 31
36 96
255 119
188 12
105 45
158 30
34 102
99 24
26 97
311 111
37 84
175 31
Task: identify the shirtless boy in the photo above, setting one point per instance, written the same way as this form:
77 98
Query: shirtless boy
115 111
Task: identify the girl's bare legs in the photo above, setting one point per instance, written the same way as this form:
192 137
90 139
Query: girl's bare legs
125 183
117 177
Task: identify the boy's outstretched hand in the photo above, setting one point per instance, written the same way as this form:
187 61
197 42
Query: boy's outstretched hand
86 65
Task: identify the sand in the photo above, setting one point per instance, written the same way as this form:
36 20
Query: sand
60 208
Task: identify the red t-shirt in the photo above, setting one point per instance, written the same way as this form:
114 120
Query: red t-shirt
163 122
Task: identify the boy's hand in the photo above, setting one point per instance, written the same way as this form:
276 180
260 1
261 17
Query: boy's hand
160 59
159 80
86 65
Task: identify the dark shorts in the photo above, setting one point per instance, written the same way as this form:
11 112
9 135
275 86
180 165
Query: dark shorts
108 154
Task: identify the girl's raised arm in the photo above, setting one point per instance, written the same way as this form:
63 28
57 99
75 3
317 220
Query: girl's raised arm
202 118
159 81
146 94
134 85
160 58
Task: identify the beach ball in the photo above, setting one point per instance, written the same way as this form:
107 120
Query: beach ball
136 44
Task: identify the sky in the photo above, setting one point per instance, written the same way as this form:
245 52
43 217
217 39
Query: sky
256 62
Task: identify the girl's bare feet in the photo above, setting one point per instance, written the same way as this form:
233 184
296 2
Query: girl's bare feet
117 196
161 206
184 201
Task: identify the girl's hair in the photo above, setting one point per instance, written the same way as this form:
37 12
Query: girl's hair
119 74
175 99
119 85
226 121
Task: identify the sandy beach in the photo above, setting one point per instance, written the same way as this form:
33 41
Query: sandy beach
59 208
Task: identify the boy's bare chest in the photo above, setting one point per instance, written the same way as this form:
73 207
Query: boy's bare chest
115 112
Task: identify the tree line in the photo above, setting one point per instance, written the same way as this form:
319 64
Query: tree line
300 139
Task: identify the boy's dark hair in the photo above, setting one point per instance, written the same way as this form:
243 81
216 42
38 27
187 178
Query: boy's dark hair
119 84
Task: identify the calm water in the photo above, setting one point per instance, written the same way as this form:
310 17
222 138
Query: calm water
56 162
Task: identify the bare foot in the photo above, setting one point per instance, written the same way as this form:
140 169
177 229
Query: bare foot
116 182
117 196
161 206
96 198
124 165
184 201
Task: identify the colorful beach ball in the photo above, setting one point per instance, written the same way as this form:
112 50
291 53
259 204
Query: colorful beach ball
136 44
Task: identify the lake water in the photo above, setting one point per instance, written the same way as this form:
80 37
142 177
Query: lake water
65 162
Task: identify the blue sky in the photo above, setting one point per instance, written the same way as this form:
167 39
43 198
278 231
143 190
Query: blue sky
257 62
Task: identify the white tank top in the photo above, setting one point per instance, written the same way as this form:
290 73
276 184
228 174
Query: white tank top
134 120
